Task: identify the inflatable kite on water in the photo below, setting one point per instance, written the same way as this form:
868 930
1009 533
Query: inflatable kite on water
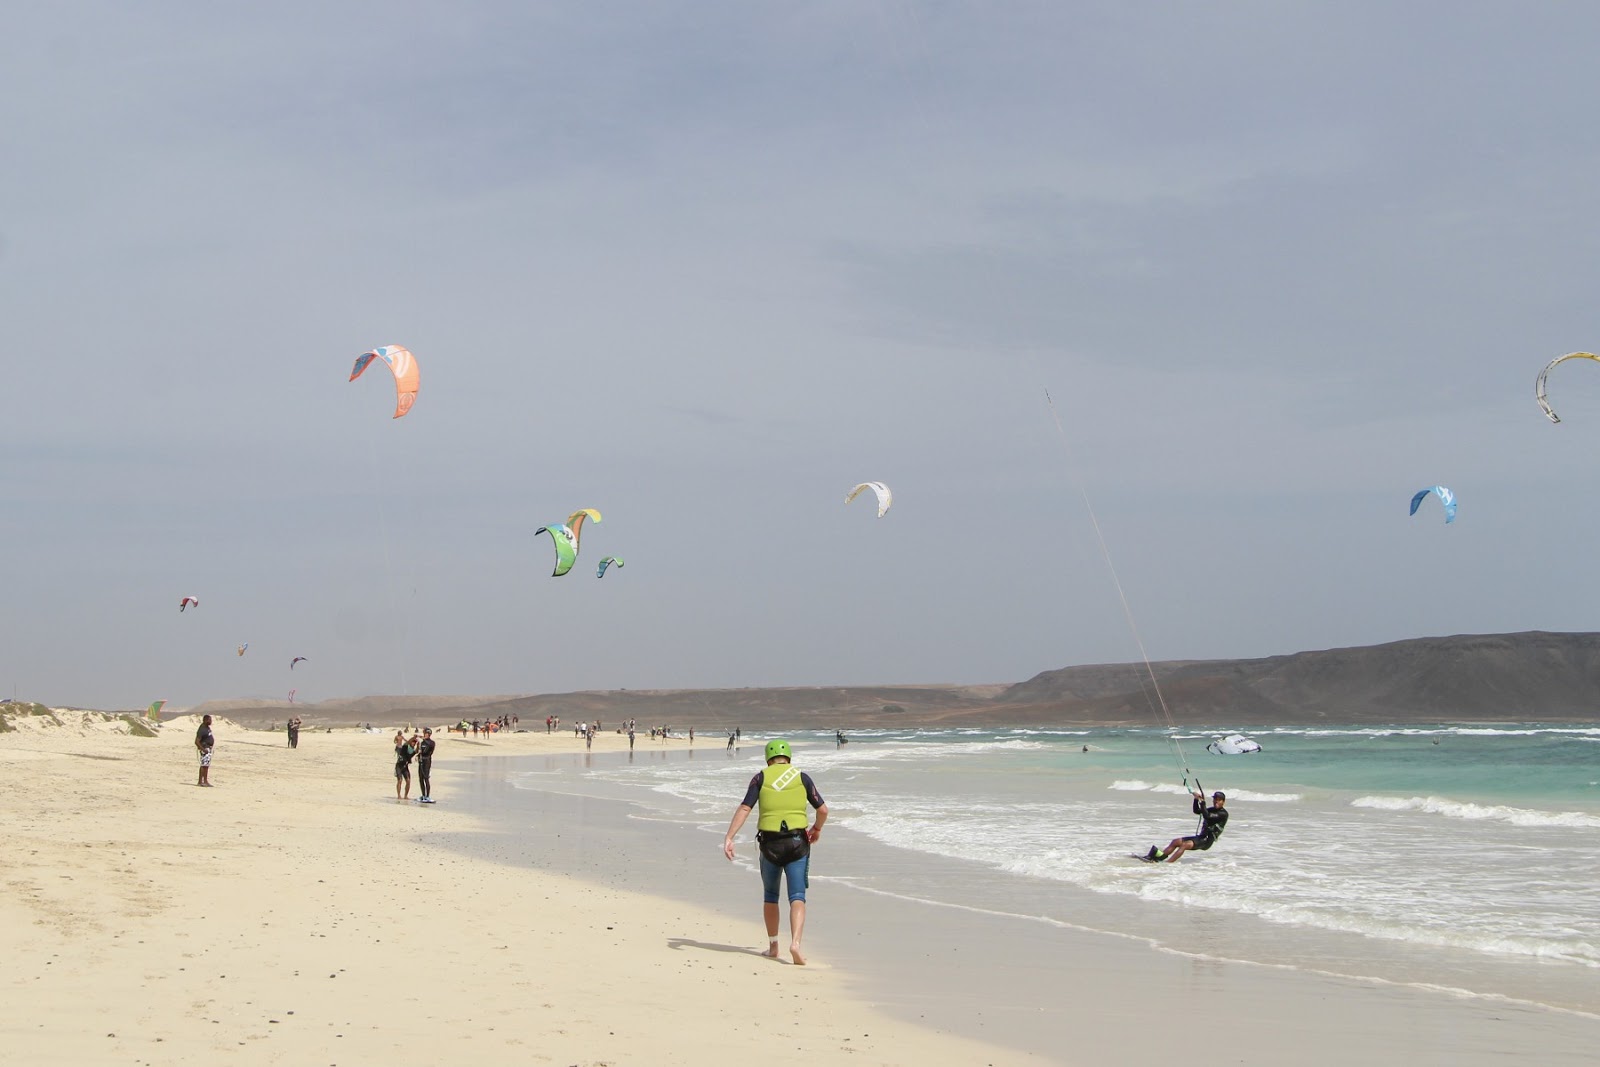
407 377
607 562
566 547
1538 389
1233 745
1446 497
885 498
189 602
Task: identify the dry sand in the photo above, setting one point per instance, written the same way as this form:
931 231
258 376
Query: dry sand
298 914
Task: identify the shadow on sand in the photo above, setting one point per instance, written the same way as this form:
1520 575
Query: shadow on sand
707 946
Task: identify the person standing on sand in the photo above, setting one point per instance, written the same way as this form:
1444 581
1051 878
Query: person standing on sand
782 791
204 742
425 749
402 765
294 732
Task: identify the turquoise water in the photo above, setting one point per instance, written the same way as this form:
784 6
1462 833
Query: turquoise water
1462 857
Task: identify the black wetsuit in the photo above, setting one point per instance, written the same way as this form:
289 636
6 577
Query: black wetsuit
1215 819
425 766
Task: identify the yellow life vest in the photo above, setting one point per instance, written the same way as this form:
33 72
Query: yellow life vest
783 798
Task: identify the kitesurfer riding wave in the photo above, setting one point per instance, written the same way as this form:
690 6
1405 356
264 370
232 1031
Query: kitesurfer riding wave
1212 822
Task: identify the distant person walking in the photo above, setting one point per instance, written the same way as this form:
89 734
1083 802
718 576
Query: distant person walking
425 749
204 742
782 792
403 752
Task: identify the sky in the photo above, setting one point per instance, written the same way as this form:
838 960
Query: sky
705 266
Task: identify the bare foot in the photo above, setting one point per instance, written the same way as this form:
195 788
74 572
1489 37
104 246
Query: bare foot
772 950
794 954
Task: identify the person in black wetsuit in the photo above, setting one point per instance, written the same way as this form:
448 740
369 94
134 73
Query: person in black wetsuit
1214 819
425 764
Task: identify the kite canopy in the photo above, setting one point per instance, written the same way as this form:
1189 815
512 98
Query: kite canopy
154 711
885 498
1538 389
1446 497
566 547
297 659
607 562
407 376
1233 745
242 648
189 602
575 520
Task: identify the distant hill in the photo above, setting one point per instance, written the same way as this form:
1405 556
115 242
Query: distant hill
1491 677
1470 677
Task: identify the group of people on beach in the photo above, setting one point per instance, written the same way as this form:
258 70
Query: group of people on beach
485 727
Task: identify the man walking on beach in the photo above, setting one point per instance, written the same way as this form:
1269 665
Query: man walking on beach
425 765
1213 819
782 791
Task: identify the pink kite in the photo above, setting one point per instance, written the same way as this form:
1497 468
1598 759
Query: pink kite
407 376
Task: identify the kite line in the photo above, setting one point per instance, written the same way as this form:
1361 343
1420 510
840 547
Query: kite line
1127 610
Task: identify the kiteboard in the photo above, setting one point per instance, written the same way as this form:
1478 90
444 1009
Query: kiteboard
1146 857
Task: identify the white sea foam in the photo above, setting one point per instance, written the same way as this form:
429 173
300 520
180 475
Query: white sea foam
1398 863
1503 730
1457 809
1262 798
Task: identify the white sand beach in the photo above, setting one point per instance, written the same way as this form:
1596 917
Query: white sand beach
298 914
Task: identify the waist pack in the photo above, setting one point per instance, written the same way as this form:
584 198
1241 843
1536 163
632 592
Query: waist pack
783 847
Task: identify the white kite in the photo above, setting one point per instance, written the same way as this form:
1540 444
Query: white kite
885 498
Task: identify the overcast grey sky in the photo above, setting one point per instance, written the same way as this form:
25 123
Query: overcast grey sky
705 266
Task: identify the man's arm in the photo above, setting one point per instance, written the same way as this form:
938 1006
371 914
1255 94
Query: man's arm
733 828
816 827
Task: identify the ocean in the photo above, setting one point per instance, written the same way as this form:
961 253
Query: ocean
1462 858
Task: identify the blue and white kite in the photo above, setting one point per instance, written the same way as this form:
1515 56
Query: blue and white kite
1446 497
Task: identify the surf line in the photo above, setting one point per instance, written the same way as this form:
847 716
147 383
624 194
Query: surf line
1127 610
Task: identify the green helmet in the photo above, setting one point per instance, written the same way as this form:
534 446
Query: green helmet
777 747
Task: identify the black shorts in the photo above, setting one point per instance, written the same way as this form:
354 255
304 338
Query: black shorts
783 847
1201 841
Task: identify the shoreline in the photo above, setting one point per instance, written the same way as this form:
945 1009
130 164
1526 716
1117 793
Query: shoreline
1000 976
298 913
